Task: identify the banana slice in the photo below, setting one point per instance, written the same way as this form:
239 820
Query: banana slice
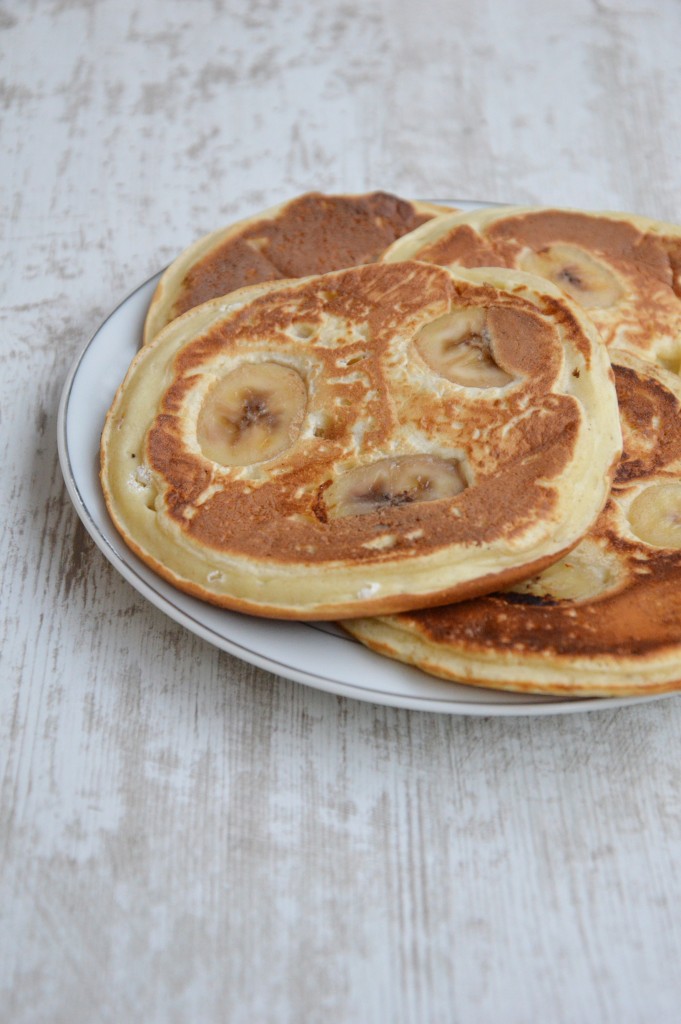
393 482
583 278
655 515
589 571
252 414
457 346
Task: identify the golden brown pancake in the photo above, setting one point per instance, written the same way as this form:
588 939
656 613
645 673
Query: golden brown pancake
311 234
624 270
606 619
379 438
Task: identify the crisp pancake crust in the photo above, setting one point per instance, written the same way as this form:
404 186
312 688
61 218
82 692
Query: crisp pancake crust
606 619
311 234
625 270
332 511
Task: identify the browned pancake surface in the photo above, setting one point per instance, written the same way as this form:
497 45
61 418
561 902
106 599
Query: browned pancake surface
312 234
511 468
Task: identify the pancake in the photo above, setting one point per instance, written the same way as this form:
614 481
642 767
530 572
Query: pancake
311 234
606 619
375 439
624 270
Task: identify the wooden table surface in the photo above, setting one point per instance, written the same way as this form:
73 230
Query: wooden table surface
187 838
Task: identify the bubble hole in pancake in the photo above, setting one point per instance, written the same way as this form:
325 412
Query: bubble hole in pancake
624 270
375 439
311 234
605 620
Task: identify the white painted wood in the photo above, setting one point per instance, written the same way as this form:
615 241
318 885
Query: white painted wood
184 837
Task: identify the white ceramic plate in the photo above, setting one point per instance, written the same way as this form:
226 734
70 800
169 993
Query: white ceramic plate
319 655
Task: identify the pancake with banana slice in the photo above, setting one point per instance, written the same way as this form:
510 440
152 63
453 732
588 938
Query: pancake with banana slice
311 234
606 619
375 439
624 270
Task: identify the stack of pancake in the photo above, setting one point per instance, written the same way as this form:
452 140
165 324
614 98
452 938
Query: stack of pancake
458 433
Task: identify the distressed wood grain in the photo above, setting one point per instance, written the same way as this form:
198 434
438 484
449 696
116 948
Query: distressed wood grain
184 837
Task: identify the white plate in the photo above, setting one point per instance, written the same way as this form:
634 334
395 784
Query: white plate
319 655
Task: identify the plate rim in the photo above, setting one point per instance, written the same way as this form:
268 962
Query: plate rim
513 705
